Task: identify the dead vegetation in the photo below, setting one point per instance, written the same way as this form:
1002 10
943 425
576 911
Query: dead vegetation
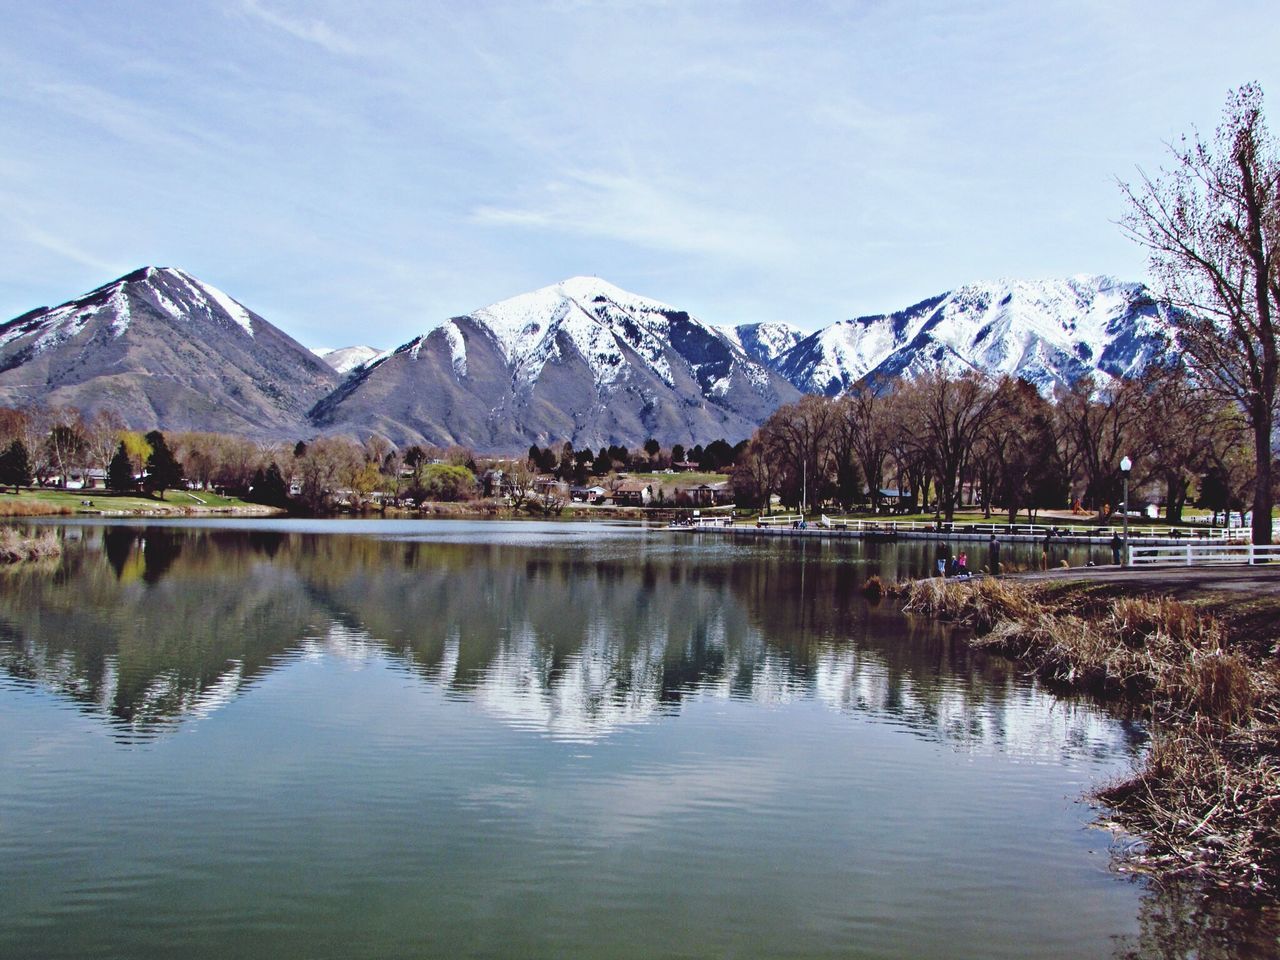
1207 799
16 548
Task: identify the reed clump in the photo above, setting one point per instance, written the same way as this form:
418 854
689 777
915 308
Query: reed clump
1207 798
17 548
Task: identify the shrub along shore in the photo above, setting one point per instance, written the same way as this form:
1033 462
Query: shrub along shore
1203 673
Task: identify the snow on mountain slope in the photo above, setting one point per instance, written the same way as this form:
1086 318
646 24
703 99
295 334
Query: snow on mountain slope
1048 332
765 342
580 360
163 349
597 317
346 359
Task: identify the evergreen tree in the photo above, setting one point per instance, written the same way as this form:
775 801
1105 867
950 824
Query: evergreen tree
717 455
120 470
15 466
269 488
163 471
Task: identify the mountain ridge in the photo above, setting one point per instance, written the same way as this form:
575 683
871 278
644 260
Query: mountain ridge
579 360
1049 332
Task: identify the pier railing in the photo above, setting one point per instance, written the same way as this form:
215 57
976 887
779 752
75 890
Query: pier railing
1197 554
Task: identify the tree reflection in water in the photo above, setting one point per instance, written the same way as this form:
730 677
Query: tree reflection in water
144 626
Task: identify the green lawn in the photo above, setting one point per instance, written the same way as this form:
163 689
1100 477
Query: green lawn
48 502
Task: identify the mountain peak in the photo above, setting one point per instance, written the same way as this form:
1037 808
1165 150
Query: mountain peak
163 348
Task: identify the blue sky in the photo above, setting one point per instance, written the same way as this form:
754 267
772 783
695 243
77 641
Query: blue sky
356 172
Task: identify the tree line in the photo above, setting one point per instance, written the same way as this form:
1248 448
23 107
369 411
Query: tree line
578 466
949 440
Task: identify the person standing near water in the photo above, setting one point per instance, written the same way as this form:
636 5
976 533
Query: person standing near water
1116 544
993 545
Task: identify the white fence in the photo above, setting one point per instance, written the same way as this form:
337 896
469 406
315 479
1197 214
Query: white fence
778 520
1195 554
1036 530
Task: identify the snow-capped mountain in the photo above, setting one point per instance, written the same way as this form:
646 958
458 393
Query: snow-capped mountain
765 342
346 359
580 360
162 348
1047 332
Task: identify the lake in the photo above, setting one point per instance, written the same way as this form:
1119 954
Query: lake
484 739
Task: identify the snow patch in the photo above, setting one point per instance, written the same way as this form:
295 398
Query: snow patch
203 292
457 347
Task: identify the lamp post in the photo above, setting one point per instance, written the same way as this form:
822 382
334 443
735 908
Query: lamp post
1125 466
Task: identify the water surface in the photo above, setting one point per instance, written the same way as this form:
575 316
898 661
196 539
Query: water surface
441 739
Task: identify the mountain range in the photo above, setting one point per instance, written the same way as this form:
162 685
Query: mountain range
1048 332
580 360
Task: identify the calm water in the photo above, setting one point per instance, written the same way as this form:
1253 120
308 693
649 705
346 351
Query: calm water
445 739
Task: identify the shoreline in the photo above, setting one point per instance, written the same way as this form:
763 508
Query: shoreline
1194 655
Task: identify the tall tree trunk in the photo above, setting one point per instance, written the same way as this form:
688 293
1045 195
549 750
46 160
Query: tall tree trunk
1262 498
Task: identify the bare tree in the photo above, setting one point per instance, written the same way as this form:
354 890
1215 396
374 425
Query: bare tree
798 437
1097 428
13 425
1178 420
755 475
1212 225
865 422
65 443
948 414
1021 465
517 480
102 433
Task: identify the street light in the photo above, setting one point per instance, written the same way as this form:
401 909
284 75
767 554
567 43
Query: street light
1125 466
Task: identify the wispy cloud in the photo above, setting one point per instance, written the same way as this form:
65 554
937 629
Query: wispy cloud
309 30
126 119
34 235
627 208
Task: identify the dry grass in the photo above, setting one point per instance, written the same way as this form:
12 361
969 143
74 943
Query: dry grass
1207 802
15 548
1208 797
14 507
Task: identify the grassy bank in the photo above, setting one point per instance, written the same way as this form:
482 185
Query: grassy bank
48 503
1205 675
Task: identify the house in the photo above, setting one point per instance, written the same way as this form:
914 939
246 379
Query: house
633 493
705 494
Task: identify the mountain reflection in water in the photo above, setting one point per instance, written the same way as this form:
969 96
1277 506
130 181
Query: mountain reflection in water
569 637
490 739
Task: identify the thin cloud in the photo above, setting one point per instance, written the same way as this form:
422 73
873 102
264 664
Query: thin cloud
636 211
311 31
62 248
125 119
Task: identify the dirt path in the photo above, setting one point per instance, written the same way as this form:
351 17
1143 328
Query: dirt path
1259 580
